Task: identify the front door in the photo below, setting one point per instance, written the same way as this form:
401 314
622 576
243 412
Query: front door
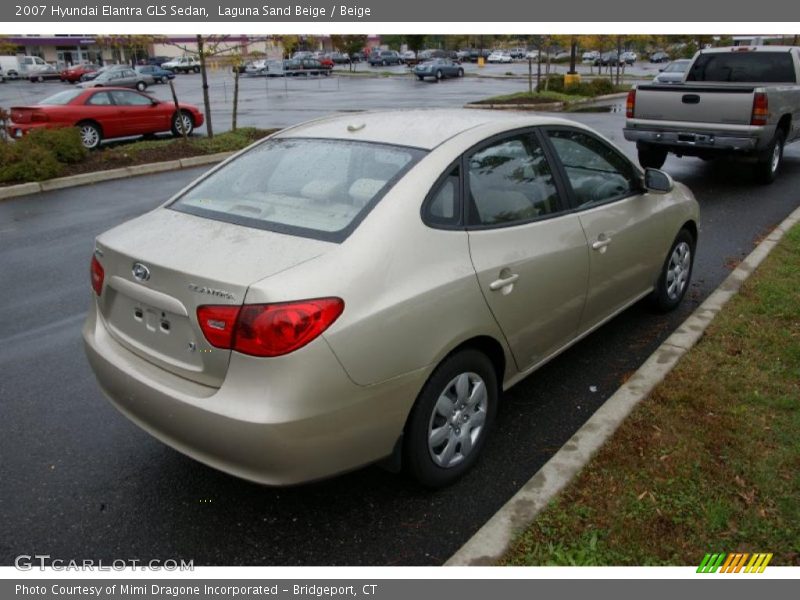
529 253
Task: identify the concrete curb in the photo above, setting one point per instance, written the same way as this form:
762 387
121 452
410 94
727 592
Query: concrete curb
24 189
492 540
547 106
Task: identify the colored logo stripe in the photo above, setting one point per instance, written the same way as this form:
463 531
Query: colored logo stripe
734 562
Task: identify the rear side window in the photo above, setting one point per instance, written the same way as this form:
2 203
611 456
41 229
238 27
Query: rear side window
317 188
61 98
751 66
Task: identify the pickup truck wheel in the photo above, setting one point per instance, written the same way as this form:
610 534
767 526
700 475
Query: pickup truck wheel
768 165
651 158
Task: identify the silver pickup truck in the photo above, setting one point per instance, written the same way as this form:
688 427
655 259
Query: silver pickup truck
740 101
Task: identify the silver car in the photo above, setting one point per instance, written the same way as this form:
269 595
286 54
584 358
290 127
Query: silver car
674 72
118 77
363 288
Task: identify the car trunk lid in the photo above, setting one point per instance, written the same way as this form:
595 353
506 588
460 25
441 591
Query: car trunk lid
160 267
705 103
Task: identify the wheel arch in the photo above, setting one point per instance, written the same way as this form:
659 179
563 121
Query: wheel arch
785 124
91 122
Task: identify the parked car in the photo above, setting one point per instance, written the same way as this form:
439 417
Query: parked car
183 64
590 56
326 61
659 57
157 60
408 55
384 58
256 67
156 73
304 66
93 74
475 54
610 59
517 52
438 68
629 57
48 73
21 66
240 322
499 56
357 57
120 78
339 58
674 72
2 75
739 102
74 73
104 113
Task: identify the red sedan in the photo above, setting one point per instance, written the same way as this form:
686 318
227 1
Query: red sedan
75 73
103 113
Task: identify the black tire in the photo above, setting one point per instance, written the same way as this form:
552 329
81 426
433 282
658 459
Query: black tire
196 69
770 162
384 63
91 134
40 79
663 298
164 79
418 455
188 122
420 77
439 75
651 157
141 86
461 72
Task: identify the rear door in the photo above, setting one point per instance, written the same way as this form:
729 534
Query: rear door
100 107
529 253
626 244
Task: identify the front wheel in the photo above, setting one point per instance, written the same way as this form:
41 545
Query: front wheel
651 157
439 75
767 167
164 79
183 119
673 281
90 135
461 72
451 419
420 77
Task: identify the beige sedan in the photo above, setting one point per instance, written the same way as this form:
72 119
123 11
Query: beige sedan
363 288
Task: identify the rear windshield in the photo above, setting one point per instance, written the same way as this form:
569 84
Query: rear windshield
317 188
751 66
61 98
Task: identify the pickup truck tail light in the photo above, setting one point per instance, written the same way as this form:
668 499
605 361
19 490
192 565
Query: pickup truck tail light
630 104
760 109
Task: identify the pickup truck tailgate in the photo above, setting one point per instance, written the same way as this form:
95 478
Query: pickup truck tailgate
695 103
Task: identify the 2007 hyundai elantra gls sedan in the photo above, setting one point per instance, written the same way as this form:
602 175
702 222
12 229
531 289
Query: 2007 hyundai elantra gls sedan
364 287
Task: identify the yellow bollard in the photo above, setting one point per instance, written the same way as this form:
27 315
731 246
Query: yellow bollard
571 79
481 61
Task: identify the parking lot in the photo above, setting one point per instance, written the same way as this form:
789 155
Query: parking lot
80 481
278 102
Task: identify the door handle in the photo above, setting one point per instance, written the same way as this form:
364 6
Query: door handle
601 242
499 284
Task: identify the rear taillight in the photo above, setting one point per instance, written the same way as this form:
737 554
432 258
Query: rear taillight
630 104
97 274
268 329
218 324
760 109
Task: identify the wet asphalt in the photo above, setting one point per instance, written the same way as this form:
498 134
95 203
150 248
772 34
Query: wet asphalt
77 480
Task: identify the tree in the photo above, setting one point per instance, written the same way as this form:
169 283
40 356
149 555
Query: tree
415 42
133 46
350 44
6 47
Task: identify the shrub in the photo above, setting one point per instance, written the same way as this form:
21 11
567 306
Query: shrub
64 143
555 83
20 162
600 87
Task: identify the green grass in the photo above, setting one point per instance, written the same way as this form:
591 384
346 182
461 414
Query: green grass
528 98
710 462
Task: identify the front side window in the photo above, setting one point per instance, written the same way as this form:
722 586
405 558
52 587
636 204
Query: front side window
510 182
320 188
596 172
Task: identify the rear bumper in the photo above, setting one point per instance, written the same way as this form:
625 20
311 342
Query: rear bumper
693 139
17 130
277 421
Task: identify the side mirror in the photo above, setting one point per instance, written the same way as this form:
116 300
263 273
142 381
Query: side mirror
658 181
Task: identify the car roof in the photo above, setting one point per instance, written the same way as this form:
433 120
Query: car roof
421 128
745 48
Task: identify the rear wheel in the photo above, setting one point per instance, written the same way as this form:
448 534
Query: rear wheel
141 86
420 77
164 79
651 157
451 419
461 72
439 75
768 165
185 119
197 69
90 134
676 274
